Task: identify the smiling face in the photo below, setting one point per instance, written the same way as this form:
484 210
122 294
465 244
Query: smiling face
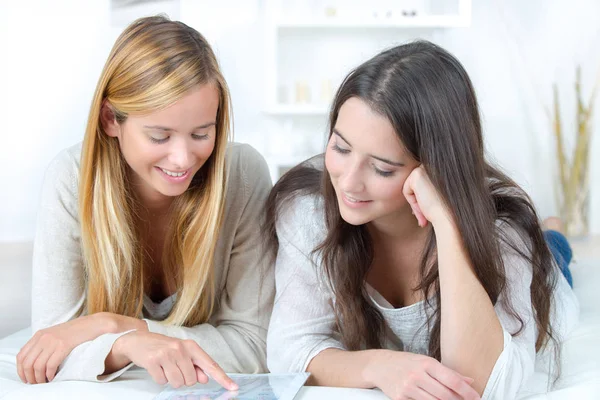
165 149
367 165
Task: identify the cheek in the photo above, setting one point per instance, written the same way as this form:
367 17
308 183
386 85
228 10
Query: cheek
333 163
204 149
391 192
136 150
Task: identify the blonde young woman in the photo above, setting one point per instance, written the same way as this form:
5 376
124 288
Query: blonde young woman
155 215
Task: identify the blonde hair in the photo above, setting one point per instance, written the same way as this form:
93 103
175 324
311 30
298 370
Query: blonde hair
153 63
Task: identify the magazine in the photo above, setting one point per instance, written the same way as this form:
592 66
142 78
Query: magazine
251 387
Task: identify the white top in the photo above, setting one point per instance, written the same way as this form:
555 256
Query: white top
303 323
236 332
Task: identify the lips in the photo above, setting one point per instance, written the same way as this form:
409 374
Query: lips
174 174
354 203
353 199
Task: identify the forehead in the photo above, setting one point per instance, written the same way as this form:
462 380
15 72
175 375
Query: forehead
368 131
199 105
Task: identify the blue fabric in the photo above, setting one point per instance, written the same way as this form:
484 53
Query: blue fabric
561 250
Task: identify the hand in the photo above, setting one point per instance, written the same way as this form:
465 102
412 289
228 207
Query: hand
39 359
402 375
169 360
424 199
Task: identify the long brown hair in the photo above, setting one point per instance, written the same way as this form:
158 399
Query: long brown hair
153 63
428 98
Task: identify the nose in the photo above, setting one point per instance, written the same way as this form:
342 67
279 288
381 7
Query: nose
351 180
180 155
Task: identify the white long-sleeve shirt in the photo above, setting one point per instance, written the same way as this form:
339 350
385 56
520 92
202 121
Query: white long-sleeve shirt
303 323
235 335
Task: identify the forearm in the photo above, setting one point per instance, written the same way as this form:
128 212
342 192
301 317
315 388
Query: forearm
471 335
341 368
89 327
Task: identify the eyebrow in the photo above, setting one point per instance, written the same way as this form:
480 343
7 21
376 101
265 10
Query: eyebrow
396 164
166 129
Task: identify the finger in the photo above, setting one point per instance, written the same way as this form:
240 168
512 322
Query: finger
53 363
20 370
173 374
211 368
31 343
454 381
32 355
436 389
39 366
157 374
188 370
22 356
200 375
411 198
420 216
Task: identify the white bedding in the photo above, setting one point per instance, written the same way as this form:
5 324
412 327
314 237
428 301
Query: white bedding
580 361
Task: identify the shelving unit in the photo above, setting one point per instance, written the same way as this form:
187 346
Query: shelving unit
300 109
367 32
435 21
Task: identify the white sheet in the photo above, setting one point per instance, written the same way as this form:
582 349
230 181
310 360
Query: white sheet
580 371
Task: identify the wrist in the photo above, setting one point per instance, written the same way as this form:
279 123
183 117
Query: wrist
106 322
120 346
369 371
443 222
115 323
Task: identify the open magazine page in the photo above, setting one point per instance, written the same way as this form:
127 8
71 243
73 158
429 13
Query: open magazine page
252 387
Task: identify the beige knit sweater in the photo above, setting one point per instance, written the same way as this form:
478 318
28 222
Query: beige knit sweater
236 332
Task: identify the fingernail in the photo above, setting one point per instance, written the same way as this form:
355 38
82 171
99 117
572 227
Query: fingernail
233 386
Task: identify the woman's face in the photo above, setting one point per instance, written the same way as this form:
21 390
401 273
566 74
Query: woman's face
367 164
166 148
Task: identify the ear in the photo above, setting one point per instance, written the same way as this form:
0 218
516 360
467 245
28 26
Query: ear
108 120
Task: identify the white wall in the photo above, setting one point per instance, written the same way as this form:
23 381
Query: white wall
514 51
51 54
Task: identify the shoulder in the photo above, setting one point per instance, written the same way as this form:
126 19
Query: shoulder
302 222
241 156
511 238
246 167
66 161
62 173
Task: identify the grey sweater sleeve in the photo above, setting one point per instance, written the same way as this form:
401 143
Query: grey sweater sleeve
58 276
58 282
303 320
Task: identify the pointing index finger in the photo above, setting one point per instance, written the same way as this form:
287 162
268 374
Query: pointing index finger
214 370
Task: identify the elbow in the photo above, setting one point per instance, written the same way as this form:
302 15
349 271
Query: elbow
277 361
280 356
510 374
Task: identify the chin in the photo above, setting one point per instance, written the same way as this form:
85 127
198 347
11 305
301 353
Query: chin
172 192
353 218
